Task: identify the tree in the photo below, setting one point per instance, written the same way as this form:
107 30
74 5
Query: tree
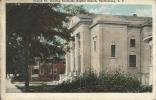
75 9
32 30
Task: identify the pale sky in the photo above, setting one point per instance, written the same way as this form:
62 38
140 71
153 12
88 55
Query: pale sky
140 10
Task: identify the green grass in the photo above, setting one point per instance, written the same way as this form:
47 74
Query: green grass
37 88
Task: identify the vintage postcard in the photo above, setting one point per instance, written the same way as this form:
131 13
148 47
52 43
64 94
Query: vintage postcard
77 49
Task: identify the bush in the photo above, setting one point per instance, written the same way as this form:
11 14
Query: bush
89 77
145 89
119 81
105 82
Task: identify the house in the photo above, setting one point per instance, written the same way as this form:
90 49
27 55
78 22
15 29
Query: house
109 43
48 70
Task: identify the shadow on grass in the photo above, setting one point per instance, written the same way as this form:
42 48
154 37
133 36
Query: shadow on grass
37 88
43 88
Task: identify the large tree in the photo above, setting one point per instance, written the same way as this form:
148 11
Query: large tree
32 30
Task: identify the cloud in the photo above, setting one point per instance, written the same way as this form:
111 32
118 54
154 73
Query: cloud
140 10
101 9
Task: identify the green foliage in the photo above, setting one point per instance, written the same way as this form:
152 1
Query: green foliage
105 82
36 30
118 79
75 9
89 77
32 30
145 88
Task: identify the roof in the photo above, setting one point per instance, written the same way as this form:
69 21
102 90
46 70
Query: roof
110 19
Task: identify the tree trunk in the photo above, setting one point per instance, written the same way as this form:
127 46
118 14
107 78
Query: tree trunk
26 67
26 78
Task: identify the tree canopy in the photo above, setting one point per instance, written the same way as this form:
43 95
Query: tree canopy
32 30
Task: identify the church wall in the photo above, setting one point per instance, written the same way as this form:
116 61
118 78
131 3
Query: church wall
77 31
145 56
68 69
134 33
113 35
85 51
96 39
95 52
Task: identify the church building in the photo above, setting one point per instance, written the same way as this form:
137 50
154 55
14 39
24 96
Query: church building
110 43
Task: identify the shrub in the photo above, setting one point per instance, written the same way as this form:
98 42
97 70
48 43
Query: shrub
145 88
89 77
119 81
105 82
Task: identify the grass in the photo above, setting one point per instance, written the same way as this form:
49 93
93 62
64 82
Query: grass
37 88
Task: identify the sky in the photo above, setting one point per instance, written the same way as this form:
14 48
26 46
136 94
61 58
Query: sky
140 10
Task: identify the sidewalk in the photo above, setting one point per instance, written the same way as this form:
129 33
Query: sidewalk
41 82
11 88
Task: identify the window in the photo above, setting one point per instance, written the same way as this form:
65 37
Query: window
112 50
47 71
132 43
94 42
94 45
36 71
132 61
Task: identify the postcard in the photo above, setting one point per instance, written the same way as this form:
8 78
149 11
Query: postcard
77 49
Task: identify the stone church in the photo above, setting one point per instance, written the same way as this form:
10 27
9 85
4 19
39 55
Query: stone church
109 43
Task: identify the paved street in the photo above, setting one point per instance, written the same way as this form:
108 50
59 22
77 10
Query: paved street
11 88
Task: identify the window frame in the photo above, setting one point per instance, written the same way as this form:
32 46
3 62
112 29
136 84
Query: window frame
132 42
113 50
132 61
35 70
